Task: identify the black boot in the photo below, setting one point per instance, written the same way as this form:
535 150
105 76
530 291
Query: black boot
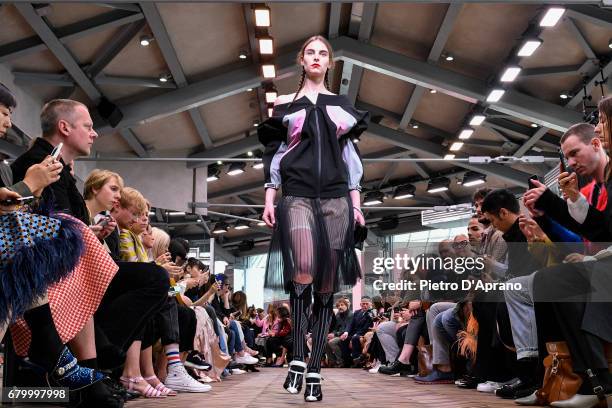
313 390
295 377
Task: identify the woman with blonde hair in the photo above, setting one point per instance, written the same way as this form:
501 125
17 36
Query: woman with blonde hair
310 151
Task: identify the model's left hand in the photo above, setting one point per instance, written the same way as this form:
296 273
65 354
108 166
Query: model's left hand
358 216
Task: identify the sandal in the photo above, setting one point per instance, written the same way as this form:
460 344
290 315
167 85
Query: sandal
149 392
160 386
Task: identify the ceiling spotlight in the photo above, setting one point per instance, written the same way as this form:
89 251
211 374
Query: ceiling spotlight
266 45
240 225
258 165
243 54
145 40
466 133
250 153
534 125
405 191
271 96
511 73
249 89
472 178
220 228
529 46
164 78
236 168
374 198
610 44
477 120
415 125
552 17
495 95
449 156
438 185
433 91
565 95
268 70
355 140
219 162
456 146
448 56
213 173
262 16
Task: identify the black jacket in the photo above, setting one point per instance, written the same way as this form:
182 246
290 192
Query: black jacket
341 322
63 195
520 261
360 323
309 148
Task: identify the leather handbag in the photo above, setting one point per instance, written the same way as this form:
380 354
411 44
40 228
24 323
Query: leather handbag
560 381
360 235
425 360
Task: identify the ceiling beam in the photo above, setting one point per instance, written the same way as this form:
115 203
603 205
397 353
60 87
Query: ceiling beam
520 131
550 71
444 32
580 38
64 80
590 84
591 14
59 50
69 33
112 48
162 39
425 148
469 89
539 134
227 150
131 139
333 29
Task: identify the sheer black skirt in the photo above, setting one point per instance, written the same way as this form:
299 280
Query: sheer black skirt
313 240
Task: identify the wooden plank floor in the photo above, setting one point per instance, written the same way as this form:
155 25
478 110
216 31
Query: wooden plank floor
342 388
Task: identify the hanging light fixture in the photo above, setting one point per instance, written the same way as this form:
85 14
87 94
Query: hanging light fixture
374 198
241 225
438 185
266 45
262 15
268 70
456 146
213 173
477 119
472 178
403 192
495 95
220 228
529 46
510 73
236 168
552 16
466 133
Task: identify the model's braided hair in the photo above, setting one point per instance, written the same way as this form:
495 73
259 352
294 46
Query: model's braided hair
301 55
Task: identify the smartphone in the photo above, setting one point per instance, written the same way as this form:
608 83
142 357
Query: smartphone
104 222
564 166
15 201
56 151
530 181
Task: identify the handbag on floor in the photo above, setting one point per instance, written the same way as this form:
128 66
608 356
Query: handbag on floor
425 360
560 381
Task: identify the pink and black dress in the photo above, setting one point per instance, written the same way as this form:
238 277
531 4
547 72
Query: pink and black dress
310 153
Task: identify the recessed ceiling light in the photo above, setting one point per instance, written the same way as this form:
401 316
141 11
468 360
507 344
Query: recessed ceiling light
145 40
262 16
534 125
466 133
495 95
511 73
552 16
268 70
477 120
433 91
449 156
243 55
455 146
529 46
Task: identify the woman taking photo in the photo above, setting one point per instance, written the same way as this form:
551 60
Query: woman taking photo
310 153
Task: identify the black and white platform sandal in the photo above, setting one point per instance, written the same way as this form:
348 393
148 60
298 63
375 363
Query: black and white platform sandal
295 377
313 390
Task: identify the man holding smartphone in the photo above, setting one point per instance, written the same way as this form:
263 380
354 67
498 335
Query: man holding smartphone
587 158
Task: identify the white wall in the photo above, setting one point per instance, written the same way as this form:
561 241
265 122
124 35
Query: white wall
166 185
27 114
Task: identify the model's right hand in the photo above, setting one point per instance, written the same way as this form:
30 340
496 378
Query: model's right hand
268 215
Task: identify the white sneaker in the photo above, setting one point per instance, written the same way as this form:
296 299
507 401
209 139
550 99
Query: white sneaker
179 380
236 371
246 359
489 386
374 369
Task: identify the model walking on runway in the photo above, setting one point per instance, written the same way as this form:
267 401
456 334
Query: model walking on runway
310 152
